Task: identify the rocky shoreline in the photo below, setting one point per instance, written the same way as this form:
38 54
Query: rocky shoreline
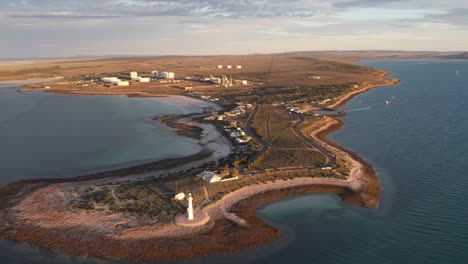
56 234
32 212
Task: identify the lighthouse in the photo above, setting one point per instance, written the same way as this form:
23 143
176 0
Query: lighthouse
190 207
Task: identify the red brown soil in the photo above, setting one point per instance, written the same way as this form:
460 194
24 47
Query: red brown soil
224 237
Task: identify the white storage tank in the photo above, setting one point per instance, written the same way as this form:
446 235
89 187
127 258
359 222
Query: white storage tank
164 74
154 74
171 75
133 74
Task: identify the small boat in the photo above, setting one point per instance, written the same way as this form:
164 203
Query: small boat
387 102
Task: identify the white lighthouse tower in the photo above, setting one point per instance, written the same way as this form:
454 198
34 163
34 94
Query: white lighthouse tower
190 207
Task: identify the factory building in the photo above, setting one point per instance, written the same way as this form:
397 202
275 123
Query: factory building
109 79
141 79
225 81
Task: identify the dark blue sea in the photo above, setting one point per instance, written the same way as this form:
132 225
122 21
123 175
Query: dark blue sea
418 145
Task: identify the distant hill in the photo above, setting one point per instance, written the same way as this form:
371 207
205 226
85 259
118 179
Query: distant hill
461 56
335 55
360 55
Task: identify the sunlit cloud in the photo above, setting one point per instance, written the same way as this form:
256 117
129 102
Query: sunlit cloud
143 27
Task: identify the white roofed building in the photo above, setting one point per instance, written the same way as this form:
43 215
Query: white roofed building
210 176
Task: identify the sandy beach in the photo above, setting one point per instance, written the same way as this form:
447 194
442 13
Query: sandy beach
342 101
11 83
34 211
39 218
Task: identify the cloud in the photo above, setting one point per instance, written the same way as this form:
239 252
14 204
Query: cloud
456 17
233 9
61 16
364 3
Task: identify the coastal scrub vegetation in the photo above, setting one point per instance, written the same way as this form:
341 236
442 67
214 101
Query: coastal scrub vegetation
152 198
286 150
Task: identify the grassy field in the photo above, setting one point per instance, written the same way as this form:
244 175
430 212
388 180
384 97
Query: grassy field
286 150
311 124
282 158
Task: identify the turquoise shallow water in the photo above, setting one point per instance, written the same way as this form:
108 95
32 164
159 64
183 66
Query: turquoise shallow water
418 146
48 135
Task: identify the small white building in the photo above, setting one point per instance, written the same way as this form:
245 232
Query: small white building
123 83
229 66
239 67
180 196
220 66
244 82
144 80
210 176
133 74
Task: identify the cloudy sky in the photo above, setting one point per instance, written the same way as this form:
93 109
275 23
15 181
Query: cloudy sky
160 27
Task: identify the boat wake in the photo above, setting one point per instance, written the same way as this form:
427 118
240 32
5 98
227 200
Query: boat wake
360 109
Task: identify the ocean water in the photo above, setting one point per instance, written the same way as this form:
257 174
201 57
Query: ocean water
419 147
49 135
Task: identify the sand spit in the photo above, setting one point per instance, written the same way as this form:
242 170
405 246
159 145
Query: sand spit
40 218
34 212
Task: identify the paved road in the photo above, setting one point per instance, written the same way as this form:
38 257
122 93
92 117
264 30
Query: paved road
330 158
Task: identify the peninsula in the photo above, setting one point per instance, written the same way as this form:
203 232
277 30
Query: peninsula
263 135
